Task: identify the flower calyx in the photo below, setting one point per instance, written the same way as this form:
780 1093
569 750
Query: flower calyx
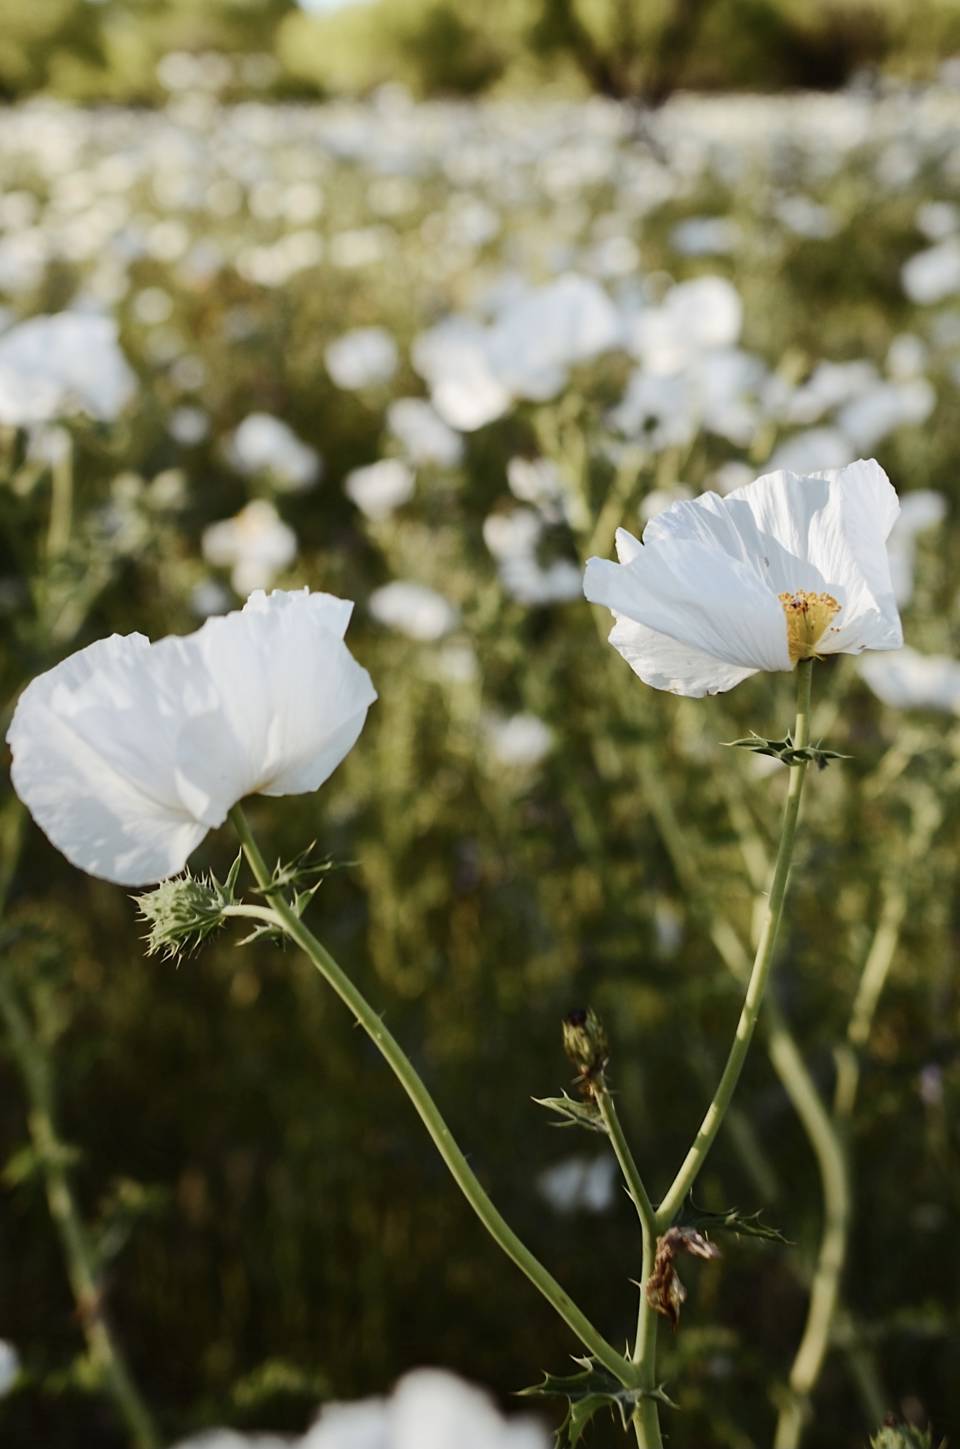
183 911
663 1290
786 751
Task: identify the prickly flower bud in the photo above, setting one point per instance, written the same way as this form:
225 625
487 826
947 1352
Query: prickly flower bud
181 913
585 1043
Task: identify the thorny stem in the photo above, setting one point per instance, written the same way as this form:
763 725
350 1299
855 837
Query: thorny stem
35 1070
749 1015
280 914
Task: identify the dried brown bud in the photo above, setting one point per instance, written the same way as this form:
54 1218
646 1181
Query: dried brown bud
663 1289
585 1043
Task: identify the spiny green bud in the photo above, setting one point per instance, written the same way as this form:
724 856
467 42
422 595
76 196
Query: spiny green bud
181 913
585 1043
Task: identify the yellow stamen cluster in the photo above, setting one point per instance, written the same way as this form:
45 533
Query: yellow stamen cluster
808 618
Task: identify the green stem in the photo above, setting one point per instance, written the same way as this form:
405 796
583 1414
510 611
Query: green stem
105 1353
830 1149
646 1419
280 914
628 1166
766 945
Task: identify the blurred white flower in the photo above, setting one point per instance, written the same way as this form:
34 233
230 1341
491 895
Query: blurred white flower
535 341
256 545
128 752
380 488
538 481
265 444
414 610
9 1367
704 236
932 275
579 1184
721 588
362 358
512 535
877 413
188 426
428 1409
52 366
453 358
703 313
521 740
911 680
809 451
919 511
423 435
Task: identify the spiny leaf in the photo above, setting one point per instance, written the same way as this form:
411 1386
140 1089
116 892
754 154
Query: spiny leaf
786 751
732 1220
587 1393
574 1113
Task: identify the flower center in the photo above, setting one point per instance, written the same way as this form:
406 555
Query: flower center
808 618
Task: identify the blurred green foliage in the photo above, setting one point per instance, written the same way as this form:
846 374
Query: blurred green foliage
108 50
275 1228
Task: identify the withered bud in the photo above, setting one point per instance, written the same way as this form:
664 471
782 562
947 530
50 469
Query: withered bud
663 1290
585 1043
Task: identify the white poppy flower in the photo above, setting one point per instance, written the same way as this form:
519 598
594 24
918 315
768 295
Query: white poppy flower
428 1409
128 752
362 358
423 434
579 1184
784 569
914 681
414 610
265 444
56 365
380 488
255 545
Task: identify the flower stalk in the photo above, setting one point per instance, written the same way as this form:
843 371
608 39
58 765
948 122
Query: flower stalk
280 914
766 945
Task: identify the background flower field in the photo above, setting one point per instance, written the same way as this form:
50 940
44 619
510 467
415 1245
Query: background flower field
428 356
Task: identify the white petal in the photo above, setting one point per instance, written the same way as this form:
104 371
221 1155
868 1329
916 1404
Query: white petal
93 761
827 532
292 698
698 595
665 664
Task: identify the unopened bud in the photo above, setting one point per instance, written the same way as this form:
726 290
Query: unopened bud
585 1043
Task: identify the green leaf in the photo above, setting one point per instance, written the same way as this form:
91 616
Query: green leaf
732 1220
587 1393
573 1112
786 751
299 871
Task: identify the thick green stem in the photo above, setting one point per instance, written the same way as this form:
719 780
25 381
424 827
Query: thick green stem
104 1351
766 946
279 913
